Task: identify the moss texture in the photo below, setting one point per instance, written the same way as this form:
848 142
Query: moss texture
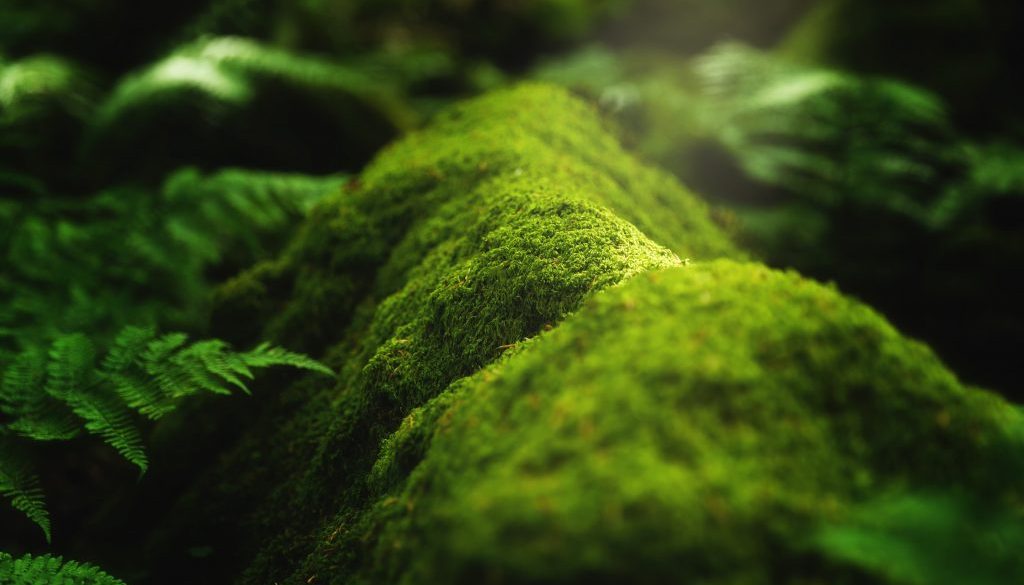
685 424
446 193
689 426
456 244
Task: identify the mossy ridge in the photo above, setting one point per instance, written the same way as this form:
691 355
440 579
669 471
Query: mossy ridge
694 423
510 266
455 245
531 133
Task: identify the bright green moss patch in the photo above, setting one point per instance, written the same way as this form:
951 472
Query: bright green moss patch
689 423
534 139
694 425
457 244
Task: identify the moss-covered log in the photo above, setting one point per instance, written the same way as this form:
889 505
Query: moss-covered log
556 368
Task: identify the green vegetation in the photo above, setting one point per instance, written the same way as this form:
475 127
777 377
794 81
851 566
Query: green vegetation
634 436
919 538
128 256
453 246
50 396
800 399
840 176
29 570
203 98
519 351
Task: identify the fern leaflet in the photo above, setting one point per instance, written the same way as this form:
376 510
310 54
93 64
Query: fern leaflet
30 570
21 485
52 395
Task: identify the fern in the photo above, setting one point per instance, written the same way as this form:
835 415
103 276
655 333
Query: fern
36 414
52 396
130 256
47 569
21 485
211 99
824 137
827 136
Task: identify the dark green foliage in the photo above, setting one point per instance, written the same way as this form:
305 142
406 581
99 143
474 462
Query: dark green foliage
47 397
844 177
130 256
929 539
45 102
851 176
961 49
233 102
19 485
546 371
471 29
50 570
826 136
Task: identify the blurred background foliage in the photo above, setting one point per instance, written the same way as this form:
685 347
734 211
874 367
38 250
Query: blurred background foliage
149 150
864 142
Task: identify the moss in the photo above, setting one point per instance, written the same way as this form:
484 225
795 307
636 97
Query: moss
689 423
456 245
485 156
693 425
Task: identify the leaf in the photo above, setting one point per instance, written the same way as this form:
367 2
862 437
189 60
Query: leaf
265 355
48 569
21 485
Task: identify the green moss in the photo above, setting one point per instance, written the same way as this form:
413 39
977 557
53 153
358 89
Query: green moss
458 243
689 423
494 156
693 425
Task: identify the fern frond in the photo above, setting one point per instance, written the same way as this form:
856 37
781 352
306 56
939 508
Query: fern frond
127 348
42 393
44 100
153 379
211 366
827 136
23 401
73 379
20 485
128 256
47 569
123 368
235 205
162 348
49 420
265 355
71 366
22 380
207 360
108 417
158 384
